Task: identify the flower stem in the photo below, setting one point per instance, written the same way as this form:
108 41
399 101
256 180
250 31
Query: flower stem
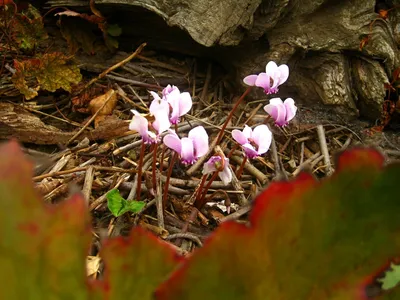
171 166
139 173
201 203
200 188
153 168
221 133
240 170
235 147
162 159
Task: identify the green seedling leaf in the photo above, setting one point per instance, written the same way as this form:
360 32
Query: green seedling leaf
308 240
42 248
114 30
118 205
392 277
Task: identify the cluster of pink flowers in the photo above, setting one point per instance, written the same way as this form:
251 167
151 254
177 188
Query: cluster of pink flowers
257 141
173 104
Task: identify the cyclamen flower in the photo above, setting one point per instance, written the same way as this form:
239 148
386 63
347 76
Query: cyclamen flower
141 125
273 77
180 103
214 164
189 148
281 112
254 142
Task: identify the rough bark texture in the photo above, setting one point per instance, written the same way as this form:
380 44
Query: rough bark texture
319 39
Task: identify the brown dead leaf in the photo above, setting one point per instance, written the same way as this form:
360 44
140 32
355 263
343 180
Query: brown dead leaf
95 104
92 265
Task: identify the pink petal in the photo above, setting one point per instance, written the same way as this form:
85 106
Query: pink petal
262 136
226 174
264 81
291 109
271 68
185 103
277 111
168 89
250 80
139 124
187 151
171 140
239 137
199 137
284 73
249 151
209 167
155 95
248 132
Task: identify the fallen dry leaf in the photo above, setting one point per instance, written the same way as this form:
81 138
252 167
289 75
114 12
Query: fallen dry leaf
92 265
109 100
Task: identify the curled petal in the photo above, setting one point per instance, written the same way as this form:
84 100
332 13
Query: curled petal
250 80
276 111
168 89
171 140
199 137
247 131
139 124
226 174
284 73
291 109
264 81
249 151
209 166
262 136
271 68
239 137
187 151
185 103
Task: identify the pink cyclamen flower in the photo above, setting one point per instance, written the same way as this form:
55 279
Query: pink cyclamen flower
214 165
281 112
273 77
180 103
189 148
254 142
141 125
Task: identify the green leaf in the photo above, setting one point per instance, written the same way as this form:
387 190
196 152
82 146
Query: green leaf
308 240
392 277
118 205
114 30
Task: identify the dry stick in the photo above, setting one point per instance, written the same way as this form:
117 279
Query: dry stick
112 68
205 87
237 214
242 200
194 183
324 149
251 169
91 119
87 186
306 163
139 174
186 235
171 165
159 205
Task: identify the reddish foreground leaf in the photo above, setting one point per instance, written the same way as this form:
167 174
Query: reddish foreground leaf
307 240
136 266
42 249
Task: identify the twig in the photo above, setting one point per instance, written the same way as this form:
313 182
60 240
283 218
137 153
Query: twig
185 236
159 204
87 186
251 169
112 68
236 215
324 149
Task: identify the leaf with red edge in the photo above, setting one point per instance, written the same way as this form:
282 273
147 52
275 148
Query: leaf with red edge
50 72
307 240
136 265
42 249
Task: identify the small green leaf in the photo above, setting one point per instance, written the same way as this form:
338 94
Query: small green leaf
114 30
118 205
392 277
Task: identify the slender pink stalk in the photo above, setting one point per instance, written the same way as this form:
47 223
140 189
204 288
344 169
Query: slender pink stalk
221 133
240 170
162 158
171 166
199 189
199 204
139 173
153 168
